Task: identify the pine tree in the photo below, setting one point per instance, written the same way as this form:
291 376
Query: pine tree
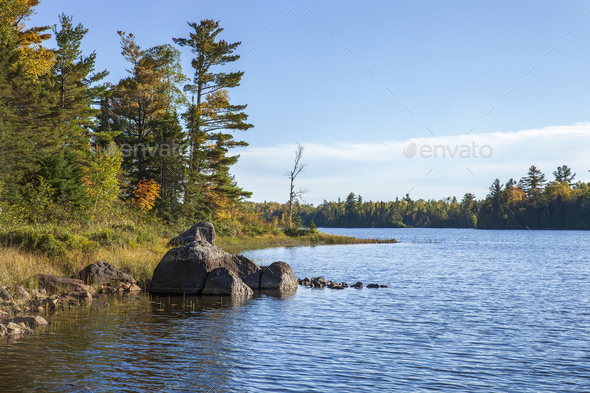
564 174
210 185
75 85
142 100
533 181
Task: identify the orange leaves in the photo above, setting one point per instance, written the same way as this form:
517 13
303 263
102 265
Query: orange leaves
145 194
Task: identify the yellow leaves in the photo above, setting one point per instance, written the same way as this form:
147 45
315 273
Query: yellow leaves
214 103
562 190
145 194
516 196
32 57
36 60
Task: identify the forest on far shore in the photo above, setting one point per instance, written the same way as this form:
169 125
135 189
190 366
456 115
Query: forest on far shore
531 202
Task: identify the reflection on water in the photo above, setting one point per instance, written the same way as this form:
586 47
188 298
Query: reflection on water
466 311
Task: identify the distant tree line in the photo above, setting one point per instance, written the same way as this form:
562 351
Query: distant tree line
532 202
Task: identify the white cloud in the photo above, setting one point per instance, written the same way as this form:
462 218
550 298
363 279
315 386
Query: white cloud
380 171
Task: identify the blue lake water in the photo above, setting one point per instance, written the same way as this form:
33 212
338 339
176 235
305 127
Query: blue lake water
465 311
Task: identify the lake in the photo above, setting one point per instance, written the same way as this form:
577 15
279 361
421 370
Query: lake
465 311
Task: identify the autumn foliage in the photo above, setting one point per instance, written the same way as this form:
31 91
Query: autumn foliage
145 194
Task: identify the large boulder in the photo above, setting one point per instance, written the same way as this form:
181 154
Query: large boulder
103 272
62 284
278 276
202 231
184 269
225 282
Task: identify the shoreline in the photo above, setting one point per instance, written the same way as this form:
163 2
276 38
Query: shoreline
138 262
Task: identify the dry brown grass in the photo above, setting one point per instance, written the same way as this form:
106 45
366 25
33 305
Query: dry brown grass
19 266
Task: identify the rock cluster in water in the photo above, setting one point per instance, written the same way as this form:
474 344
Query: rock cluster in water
320 282
198 267
20 325
57 293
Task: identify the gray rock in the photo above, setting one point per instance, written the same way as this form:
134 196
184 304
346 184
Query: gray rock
103 272
30 321
184 270
358 285
318 281
132 288
3 331
62 284
80 295
278 276
202 231
384 286
225 282
373 286
5 295
13 328
20 293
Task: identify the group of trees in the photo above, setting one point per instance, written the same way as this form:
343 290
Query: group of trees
535 202
154 140
531 202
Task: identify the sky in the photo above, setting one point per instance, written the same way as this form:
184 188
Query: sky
356 83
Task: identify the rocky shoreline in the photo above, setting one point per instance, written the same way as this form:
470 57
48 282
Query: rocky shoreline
194 267
21 309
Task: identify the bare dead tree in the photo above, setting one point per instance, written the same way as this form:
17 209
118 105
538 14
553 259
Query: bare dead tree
292 175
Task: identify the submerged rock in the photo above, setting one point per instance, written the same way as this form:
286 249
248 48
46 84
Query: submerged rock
373 286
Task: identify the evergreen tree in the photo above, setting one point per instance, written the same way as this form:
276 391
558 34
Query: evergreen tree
533 181
140 102
75 86
209 182
564 174
25 121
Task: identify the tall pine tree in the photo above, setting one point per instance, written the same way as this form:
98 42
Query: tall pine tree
210 187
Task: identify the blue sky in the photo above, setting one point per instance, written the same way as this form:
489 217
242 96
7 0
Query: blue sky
447 64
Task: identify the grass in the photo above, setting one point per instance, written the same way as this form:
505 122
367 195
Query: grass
235 245
132 248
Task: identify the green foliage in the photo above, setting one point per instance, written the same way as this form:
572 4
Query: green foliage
63 173
49 239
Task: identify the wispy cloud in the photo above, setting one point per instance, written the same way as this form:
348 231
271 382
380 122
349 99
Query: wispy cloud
380 171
